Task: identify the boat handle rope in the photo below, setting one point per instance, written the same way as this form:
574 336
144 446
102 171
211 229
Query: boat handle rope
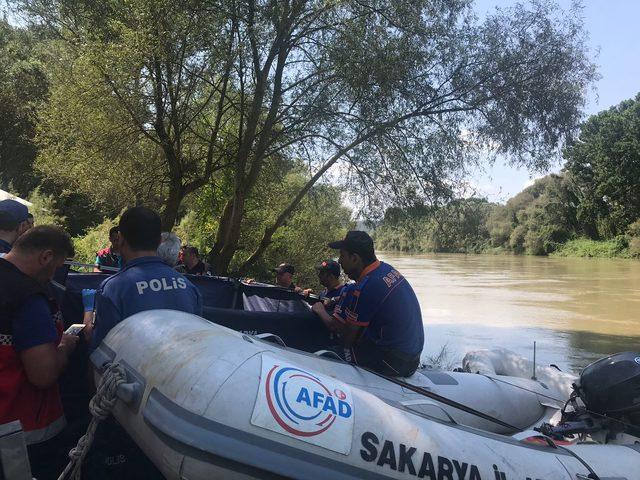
522 388
445 400
590 412
100 407
592 475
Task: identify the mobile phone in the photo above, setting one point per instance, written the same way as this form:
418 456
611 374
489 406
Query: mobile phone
75 329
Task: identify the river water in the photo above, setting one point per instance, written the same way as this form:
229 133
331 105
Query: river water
576 309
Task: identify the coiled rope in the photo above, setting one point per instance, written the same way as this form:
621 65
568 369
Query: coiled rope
100 407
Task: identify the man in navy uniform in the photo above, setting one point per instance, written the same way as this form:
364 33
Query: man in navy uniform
378 317
145 281
329 278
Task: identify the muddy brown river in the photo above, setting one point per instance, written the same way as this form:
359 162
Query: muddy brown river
576 309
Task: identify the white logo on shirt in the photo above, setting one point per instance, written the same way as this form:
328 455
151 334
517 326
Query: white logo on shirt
158 284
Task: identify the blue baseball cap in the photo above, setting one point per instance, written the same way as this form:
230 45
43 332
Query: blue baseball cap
16 210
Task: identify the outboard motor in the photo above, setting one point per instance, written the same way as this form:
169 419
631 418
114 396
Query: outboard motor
605 401
611 386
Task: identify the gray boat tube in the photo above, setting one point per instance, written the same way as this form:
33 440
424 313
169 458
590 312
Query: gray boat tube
203 402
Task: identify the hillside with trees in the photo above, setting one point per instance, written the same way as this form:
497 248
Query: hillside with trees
592 208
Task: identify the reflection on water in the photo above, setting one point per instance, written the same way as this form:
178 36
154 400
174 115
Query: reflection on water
576 309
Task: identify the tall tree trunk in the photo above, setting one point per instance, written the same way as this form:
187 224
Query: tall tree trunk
171 207
228 234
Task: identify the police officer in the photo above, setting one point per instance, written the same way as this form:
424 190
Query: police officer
378 317
145 281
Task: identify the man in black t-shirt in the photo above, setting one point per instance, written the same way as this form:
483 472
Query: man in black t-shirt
192 263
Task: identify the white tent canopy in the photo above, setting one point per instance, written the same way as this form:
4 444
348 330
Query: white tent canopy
8 196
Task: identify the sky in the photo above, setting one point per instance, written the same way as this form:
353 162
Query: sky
612 27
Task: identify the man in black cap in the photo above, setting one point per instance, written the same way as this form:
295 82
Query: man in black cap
329 278
15 219
284 275
378 317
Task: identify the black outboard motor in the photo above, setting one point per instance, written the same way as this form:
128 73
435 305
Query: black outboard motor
605 401
611 386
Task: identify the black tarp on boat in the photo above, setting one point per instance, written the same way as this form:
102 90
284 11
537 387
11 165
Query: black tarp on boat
249 308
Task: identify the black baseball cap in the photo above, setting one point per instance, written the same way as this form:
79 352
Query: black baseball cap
356 241
284 268
329 266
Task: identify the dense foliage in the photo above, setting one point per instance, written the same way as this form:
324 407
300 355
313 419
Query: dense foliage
604 162
159 102
198 107
23 90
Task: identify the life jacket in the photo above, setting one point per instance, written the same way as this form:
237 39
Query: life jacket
38 409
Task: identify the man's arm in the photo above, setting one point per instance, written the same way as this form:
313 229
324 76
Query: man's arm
97 262
35 338
348 332
44 363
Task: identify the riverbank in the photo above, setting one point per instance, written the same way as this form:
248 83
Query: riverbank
619 247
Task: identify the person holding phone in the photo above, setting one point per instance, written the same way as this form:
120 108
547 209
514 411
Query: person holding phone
33 349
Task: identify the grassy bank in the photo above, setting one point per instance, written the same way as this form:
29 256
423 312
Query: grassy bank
583 247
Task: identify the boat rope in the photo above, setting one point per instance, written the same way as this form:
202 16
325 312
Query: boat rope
629 427
441 399
523 388
91 265
592 475
100 407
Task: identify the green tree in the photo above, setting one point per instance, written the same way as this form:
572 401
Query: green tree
302 241
23 89
382 90
604 162
543 215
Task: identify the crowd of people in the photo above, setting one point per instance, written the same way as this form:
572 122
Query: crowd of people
376 316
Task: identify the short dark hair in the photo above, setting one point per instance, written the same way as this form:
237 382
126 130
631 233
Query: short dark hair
192 250
141 228
113 231
7 222
45 237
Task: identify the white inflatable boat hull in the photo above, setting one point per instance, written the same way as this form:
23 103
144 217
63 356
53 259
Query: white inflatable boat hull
206 402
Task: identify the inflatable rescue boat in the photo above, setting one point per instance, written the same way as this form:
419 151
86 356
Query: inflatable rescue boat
203 401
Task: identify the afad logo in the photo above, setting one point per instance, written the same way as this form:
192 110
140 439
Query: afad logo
302 404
